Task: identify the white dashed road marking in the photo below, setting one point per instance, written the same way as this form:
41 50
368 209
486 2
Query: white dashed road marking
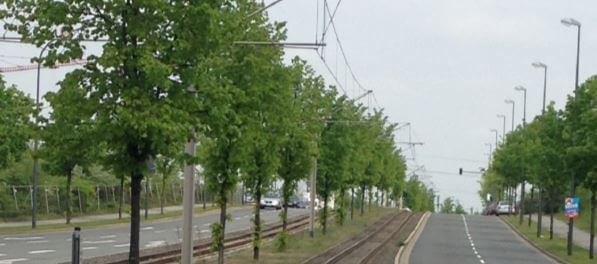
147 228
88 248
36 241
23 238
108 236
155 243
468 234
2 244
98 242
159 231
122 245
2 255
204 231
10 261
43 251
237 218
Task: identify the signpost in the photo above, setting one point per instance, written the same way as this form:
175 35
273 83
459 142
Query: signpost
571 207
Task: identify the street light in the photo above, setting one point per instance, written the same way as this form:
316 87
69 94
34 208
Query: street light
503 128
572 22
490 152
524 111
509 101
496 137
524 123
544 66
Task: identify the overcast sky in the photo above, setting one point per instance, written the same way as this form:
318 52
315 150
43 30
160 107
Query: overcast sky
444 66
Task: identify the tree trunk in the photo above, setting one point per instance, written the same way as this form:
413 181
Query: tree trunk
69 212
591 242
550 217
382 196
257 223
121 197
531 211
135 217
285 218
521 212
220 242
324 220
370 196
162 194
362 200
351 203
540 212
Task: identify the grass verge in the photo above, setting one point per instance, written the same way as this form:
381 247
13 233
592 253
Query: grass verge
557 246
100 223
301 246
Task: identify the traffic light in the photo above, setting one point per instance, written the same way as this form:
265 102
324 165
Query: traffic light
460 171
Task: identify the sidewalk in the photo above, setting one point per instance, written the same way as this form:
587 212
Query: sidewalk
100 217
580 237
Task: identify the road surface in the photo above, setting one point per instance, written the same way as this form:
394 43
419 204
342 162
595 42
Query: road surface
55 247
472 240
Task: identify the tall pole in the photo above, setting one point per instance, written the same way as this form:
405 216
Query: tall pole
312 197
524 122
36 145
496 137
572 22
188 202
503 128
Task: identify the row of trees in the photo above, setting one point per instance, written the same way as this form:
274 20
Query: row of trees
170 72
547 153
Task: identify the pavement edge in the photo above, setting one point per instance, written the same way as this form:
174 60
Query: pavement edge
545 252
403 254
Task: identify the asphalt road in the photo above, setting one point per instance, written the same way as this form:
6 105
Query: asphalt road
472 240
55 247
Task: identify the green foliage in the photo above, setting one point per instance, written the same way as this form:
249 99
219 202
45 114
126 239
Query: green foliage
281 241
16 110
217 235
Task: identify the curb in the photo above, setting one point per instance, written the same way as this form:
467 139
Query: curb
545 252
412 234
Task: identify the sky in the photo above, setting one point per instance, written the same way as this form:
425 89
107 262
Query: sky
446 67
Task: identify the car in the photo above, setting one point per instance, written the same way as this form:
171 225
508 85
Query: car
503 207
270 201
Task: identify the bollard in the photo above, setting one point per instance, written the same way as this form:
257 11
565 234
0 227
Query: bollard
76 253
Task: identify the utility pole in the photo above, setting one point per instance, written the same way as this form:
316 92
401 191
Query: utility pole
188 202
312 197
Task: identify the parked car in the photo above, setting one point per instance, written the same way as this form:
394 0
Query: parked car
270 201
503 207
491 209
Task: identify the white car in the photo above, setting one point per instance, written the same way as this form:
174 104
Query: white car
270 202
503 207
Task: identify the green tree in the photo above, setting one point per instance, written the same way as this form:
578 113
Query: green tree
16 110
68 136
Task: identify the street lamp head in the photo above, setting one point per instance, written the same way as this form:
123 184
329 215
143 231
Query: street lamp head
520 88
501 116
539 65
508 101
494 130
570 22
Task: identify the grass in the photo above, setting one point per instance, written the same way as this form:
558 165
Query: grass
301 246
583 222
557 246
100 223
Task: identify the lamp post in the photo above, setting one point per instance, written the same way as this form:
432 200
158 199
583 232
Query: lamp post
509 101
569 22
490 152
524 122
544 66
503 128
496 137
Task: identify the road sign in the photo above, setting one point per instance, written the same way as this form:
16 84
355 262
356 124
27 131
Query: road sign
571 207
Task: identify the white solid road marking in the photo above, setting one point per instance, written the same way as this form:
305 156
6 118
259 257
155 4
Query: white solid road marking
10 261
36 241
89 248
122 245
23 238
43 251
468 234
98 242
108 236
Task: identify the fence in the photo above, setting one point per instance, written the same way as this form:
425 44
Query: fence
16 200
